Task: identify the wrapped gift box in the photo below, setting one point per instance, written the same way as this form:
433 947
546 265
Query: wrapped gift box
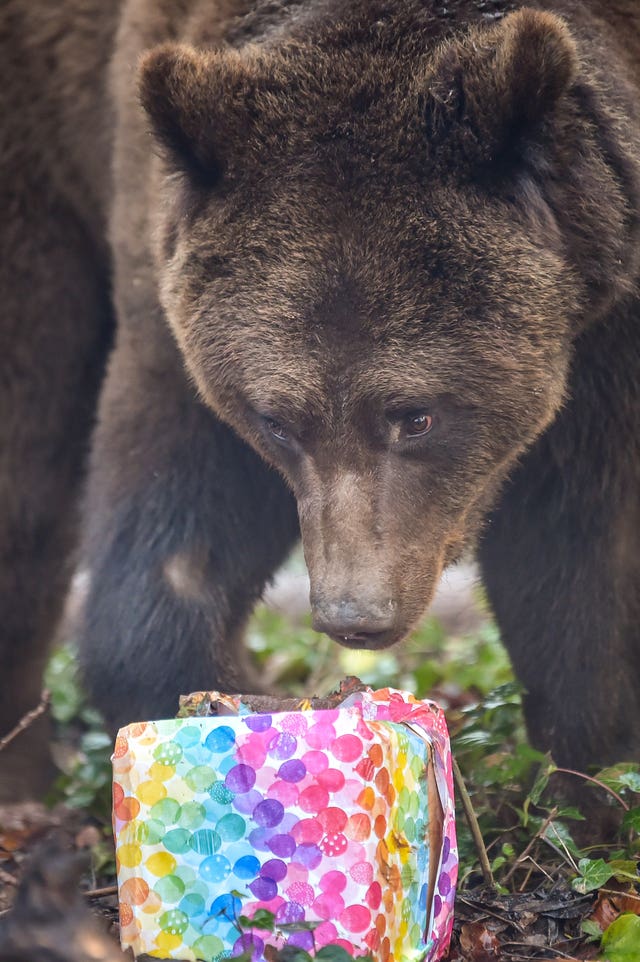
338 821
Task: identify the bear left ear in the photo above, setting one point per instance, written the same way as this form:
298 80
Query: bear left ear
493 89
193 99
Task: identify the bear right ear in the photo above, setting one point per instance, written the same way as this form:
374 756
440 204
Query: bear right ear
189 96
491 90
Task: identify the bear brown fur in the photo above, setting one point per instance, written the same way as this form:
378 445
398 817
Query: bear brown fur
375 272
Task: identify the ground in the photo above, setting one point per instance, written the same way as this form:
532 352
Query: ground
550 899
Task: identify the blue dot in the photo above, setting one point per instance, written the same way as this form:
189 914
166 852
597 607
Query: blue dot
226 906
246 867
216 868
221 739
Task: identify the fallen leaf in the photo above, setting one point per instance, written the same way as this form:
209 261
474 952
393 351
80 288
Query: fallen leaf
479 942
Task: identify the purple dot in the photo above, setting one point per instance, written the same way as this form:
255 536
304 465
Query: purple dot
446 848
290 912
437 906
268 813
282 845
246 802
240 779
259 839
288 823
275 869
258 723
309 855
292 771
264 889
444 884
283 745
249 943
303 940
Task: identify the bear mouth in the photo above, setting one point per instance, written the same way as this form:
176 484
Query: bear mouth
368 641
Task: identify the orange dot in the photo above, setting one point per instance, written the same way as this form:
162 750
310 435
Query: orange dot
358 828
137 729
121 747
128 809
367 798
126 914
118 794
382 780
380 826
135 891
385 950
395 879
387 901
390 796
381 924
375 754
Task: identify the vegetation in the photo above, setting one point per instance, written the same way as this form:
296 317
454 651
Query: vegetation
527 831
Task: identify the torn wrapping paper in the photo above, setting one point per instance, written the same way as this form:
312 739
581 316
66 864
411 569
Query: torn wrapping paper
339 821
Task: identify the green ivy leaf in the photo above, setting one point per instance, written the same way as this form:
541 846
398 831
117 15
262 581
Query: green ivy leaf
631 780
621 940
595 872
591 929
631 820
333 953
612 776
261 919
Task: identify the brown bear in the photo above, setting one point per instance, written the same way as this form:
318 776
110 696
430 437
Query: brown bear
375 270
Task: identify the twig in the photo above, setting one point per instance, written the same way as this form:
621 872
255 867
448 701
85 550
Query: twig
596 781
483 910
101 893
27 720
7 878
528 849
473 826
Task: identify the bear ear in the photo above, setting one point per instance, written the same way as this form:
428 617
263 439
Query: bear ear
188 96
491 91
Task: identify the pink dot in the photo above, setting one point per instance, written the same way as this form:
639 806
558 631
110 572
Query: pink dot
329 905
347 946
320 736
315 762
355 918
347 748
325 933
285 792
356 853
332 779
332 820
296 872
307 831
373 898
362 873
295 724
334 844
333 882
301 892
252 753
313 799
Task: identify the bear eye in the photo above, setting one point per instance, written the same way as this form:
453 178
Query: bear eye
277 430
417 425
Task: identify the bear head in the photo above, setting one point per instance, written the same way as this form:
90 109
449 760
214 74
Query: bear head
361 264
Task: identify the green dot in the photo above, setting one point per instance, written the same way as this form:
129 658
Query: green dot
192 815
174 922
221 794
177 841
170 888
192 904
398 820
200 778
416 934
414 805
205 842
208 947
404 799
230 828
187 874
410 829
169 753
417 767
407 874
166 811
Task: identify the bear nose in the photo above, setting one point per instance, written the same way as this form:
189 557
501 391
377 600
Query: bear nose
355 624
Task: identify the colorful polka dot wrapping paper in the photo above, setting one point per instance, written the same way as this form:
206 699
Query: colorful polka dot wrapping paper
340 820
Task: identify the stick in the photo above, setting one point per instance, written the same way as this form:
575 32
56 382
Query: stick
101 893
27 720
7 878
473 825
545 825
